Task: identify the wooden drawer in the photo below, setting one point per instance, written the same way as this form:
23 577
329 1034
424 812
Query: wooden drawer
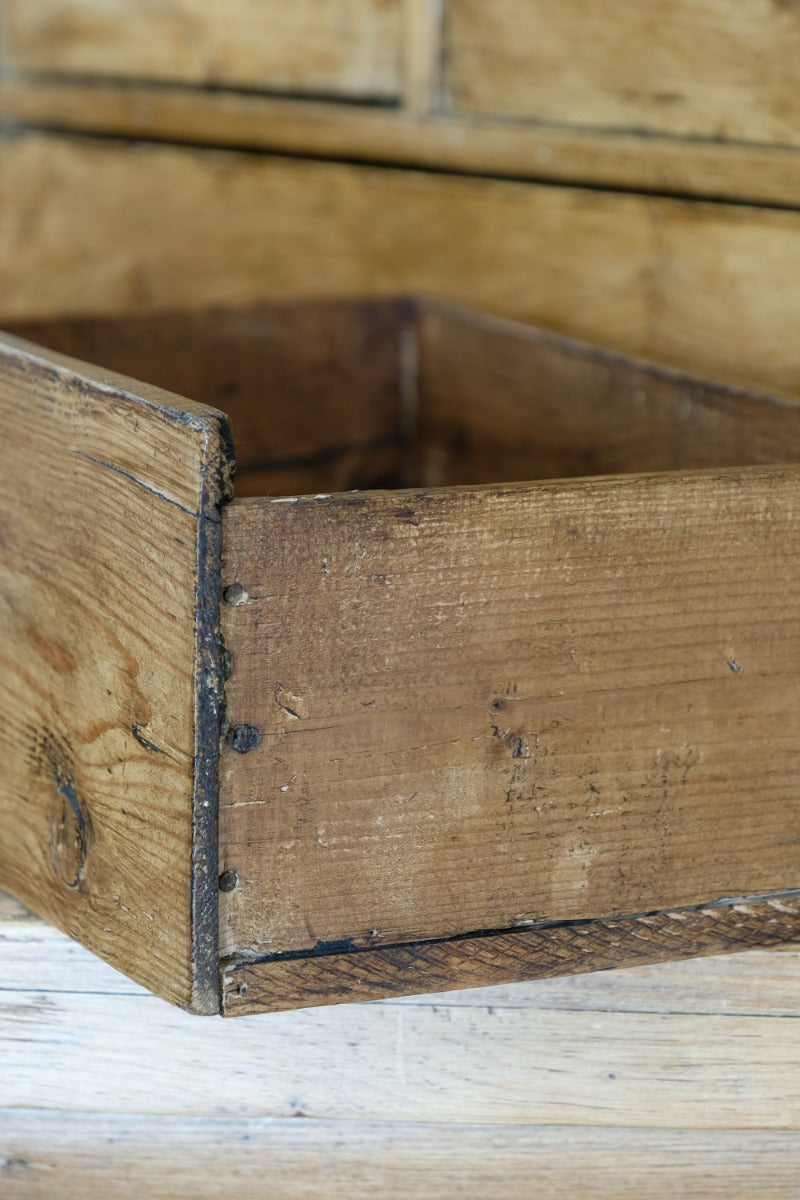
347 49
310 743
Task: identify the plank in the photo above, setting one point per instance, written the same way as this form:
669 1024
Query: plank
312 389
335 974
467 143
498 400
712 72
487 708
440 1063
93 1070
119 1158
708 287
341 47
109 713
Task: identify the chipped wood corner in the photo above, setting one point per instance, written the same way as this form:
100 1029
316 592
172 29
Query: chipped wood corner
110 499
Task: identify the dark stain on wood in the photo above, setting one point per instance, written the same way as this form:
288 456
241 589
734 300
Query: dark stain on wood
71 832
136 730
244 738
210 673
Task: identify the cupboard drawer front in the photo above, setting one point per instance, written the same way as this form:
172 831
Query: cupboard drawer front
699 68
347 48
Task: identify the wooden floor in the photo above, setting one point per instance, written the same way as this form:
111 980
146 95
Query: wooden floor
680 1080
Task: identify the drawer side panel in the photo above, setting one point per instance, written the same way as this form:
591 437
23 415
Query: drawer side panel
109 703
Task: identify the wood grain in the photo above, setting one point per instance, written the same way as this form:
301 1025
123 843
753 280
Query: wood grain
468 143
484 708
758 983
341 47
711 71
634 273
660 1079
296 981
312 389
666 1050
109 713
122 1159
501 401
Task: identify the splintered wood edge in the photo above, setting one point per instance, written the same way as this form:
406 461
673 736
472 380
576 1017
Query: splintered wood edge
217 465
340 974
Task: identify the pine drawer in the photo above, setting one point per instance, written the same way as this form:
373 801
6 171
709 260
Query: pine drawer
386 717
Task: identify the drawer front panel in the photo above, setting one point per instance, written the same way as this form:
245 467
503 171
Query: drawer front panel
702 69
480 709
349 48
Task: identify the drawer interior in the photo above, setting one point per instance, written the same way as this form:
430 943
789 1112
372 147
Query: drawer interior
333 395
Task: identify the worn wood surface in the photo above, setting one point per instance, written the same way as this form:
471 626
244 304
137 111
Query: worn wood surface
486 708
635 273
698 68
500 401
652 1082
342 47
109 528
174 1158
314 390
297 981
741 171
464 142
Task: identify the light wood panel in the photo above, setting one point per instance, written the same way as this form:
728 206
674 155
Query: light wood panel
699 68
110 1092
109 711
739 171
423 53
342 47
171 1158
707 287
698 1062
483 709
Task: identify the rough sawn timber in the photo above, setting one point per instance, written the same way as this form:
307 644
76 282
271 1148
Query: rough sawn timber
484 709
110 494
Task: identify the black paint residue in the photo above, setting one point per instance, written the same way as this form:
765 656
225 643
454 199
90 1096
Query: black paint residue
243 738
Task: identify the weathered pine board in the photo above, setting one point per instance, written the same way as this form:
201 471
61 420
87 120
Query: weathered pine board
349 48
122 1159
485 708
740 171
314 391
700 1056
108 1091
698 68
501 401
671 281
572 947
109 710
